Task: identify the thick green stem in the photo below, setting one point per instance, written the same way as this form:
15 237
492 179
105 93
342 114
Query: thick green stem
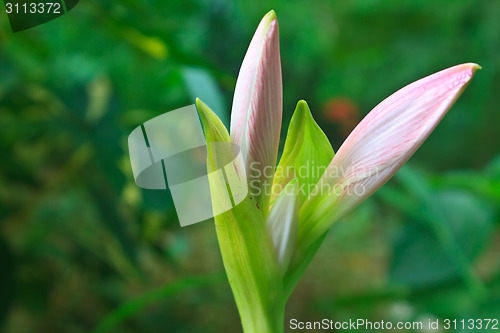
251 268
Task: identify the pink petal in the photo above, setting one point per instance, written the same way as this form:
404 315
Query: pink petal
382 142
257 107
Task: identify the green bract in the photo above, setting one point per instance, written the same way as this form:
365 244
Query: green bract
247 251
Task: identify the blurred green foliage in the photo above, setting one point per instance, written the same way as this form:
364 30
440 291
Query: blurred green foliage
82 248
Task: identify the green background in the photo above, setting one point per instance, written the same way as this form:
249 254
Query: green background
82 248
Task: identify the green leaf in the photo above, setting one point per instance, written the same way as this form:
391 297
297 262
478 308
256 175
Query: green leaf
214 129
246 246
306 154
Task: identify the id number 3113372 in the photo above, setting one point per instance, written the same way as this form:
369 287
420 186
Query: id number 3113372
33 8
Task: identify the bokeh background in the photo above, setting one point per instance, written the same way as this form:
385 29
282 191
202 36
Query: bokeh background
82 249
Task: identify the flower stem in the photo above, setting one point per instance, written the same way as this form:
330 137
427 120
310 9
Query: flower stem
252 268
